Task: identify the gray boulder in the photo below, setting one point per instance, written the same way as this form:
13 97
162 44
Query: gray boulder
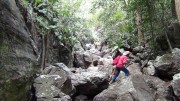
143 55
105 65
87 57
84 59
54 84
126 46
168 64
80 59
161 90
138 49
176 86
134 58
78 47
134 69
150 69
90 83
46 87
133 88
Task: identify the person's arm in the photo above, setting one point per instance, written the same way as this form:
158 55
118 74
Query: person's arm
125 61
129 63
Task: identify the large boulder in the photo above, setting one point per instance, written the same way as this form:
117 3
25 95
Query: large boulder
126 46
47 88
78 47
143 55
161 90
105 53
105 64
87 57
84 59
138 49
134 69
89 46
168 64
176 86
134 58
133 88
54 84
90 82
94 55
17 53
65 55
150 69
79 60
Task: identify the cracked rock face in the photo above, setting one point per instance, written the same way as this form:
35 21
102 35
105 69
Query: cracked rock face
17 56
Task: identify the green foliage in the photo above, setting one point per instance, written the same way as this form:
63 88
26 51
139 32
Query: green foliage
25 2
111 16
37 2
58 16
117 17
156 15
42 22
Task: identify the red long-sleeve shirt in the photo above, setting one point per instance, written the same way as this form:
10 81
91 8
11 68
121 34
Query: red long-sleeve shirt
119 61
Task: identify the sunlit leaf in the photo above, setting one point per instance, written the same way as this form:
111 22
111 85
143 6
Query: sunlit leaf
42 22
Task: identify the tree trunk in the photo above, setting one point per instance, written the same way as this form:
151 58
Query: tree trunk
165 27
177 3
173 9
168 41
141 40
43 53
151 15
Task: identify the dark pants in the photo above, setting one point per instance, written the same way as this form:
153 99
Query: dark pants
118 71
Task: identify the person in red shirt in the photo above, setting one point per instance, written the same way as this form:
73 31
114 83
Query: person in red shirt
120 61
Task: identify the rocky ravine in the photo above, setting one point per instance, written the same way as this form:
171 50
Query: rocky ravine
89 80
91 84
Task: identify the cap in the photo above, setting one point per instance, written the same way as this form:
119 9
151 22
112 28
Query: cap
126 53
121 50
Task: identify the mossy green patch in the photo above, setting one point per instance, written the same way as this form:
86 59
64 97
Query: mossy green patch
15 89
4 49
13 86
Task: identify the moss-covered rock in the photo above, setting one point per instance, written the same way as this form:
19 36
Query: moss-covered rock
14 89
